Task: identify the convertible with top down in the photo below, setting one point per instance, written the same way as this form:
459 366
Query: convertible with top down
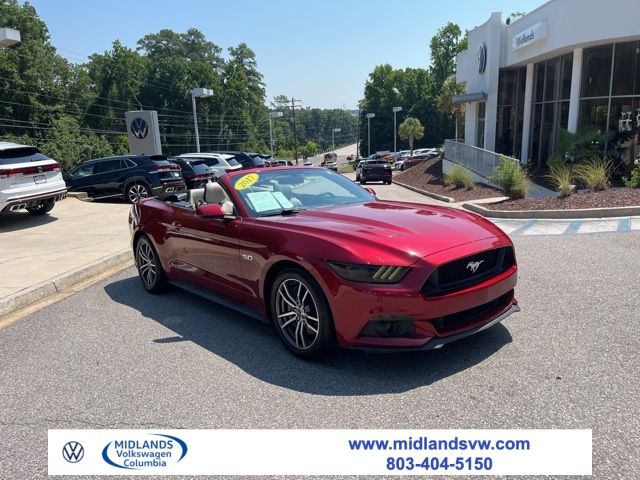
327 263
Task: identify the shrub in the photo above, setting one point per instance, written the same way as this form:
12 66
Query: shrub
594 173
561 177
634 181
511 178
459 177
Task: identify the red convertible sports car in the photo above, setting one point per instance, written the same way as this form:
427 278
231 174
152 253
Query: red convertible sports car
327 263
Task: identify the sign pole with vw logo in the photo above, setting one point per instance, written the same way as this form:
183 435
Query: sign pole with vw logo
143 132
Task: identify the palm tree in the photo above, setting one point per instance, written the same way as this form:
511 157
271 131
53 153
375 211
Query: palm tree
450 89
411 129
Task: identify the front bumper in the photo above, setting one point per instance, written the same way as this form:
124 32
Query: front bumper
439 342
360 309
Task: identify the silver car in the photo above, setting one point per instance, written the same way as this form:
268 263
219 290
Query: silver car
220 163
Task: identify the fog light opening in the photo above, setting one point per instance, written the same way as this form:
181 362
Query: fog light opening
389 327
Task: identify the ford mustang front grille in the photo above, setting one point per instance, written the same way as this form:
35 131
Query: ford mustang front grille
468 271
477 315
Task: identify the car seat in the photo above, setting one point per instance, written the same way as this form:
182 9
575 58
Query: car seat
287 191
195 197
214 193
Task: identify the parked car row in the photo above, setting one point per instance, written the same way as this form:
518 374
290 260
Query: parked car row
30 180
407 160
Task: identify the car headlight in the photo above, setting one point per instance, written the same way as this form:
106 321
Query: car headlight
368 273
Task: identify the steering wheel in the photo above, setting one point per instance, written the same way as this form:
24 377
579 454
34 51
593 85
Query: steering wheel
327 194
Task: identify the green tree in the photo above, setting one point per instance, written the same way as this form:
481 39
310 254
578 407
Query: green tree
411 129
450 89
309 149
446 44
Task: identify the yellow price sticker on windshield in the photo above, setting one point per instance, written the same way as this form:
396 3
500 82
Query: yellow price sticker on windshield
246 181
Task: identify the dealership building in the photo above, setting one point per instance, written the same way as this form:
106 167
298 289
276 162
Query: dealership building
569 64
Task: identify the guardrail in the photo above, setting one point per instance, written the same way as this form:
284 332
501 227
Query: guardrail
483 162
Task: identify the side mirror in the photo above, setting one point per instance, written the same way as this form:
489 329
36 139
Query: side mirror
210 210
370 190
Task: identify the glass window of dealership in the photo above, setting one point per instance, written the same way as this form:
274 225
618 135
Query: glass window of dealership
609 102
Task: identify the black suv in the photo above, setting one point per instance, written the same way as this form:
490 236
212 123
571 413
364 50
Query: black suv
245 159
129 177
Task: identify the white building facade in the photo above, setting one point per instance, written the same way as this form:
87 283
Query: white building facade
569 64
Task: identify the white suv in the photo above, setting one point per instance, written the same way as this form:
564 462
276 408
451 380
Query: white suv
28 180
220 163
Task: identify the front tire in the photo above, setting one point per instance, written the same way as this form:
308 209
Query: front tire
41 209
136 192
301 315
149 266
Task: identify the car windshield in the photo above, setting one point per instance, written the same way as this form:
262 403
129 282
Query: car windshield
232 162
278 192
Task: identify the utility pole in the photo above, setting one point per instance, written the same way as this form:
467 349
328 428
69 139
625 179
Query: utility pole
395 131
295 140
369 117
358 135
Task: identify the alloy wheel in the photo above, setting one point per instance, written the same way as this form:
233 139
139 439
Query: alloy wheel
147 264
137 192
297 313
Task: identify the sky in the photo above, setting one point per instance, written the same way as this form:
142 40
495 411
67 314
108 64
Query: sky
318 51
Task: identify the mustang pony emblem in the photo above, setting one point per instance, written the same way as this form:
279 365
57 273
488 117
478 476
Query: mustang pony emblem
474 266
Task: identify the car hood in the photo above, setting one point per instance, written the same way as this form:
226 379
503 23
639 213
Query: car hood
381 232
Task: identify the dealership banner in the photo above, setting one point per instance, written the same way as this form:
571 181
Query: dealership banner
320 452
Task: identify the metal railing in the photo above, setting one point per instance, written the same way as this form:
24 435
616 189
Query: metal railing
480 161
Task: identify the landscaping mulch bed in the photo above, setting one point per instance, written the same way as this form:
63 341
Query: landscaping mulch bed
612 197
428 176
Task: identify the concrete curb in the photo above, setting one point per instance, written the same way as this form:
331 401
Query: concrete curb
82 196
36 293
555 214
442 198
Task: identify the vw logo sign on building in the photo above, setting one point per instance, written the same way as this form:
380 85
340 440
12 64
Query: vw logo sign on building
139 128
143 132
72 452
482 58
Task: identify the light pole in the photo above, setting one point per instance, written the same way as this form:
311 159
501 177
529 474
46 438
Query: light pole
369 117
8 37
272 115
198 93
333 140
395 131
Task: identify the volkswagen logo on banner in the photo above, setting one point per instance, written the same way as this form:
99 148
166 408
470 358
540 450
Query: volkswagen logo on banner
139 128
73 452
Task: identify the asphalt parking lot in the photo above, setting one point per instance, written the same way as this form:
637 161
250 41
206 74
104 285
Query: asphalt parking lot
114 356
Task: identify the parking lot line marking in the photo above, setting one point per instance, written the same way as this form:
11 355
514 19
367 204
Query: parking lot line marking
547 228
634 223
529 224
573 227
599 226
624 225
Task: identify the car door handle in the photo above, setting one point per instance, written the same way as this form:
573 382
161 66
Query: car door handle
174 226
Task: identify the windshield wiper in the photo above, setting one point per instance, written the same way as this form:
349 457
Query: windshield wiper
276 214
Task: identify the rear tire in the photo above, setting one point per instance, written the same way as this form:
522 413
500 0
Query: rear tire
149 266
362 181
41 209
357 178
136 192
301 315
